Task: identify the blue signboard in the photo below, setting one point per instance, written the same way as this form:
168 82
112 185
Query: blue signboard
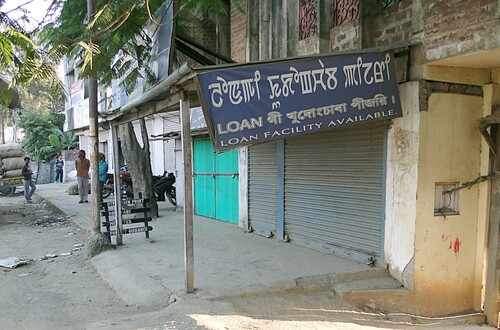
256 103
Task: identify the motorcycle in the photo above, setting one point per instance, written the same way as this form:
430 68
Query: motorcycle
163 186
125 183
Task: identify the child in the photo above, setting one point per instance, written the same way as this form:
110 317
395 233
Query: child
59 169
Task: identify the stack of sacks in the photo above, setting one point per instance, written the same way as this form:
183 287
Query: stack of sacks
11 160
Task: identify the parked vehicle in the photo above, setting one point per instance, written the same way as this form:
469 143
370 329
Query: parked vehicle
163 186
109 186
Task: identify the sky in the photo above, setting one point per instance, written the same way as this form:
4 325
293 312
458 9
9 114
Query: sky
37 8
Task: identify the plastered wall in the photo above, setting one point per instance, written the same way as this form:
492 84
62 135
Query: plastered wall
401 189
445 247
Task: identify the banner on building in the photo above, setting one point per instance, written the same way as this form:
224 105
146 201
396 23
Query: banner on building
255 103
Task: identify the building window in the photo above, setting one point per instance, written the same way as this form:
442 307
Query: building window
446 198
346 10
308 23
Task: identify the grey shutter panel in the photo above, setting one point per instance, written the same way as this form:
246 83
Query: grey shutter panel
334 191
262 188
171 123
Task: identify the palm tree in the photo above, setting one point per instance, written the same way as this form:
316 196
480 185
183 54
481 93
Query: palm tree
21 60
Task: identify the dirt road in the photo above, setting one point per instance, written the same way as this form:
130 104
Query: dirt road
58 288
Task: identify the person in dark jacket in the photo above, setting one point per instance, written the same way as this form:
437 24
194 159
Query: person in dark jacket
29 184
59 169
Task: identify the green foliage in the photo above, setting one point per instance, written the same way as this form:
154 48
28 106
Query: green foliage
42 94
54 141
114 43
5 98
62 140
21 58
38 125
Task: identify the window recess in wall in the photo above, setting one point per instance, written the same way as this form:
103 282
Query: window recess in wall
446 198
308 23
346 11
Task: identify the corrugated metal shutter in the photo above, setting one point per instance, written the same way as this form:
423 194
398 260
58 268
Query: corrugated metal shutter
171 123
262 188
334 191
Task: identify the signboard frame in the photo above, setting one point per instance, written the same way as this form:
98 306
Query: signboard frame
260 102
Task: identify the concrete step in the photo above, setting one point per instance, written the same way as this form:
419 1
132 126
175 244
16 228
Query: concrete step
331 279
378 283
386 297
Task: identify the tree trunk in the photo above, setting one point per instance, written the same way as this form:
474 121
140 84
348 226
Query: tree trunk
138 161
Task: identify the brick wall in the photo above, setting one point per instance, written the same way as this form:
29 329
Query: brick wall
445 27
308 46
449 27
393 25
345 36
455 27
238 33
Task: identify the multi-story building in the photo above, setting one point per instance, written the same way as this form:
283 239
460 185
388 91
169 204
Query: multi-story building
411 193
374 192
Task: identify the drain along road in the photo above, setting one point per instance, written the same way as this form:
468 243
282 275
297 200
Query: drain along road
58 288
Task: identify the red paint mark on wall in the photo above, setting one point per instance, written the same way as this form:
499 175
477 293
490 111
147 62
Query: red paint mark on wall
455 245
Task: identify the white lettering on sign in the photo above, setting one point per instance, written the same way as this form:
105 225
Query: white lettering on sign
237 90
237 126
298 116
358 118
293 130
236 141
306 81
377 101
368 73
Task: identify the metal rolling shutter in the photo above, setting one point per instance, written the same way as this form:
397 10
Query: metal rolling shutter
334 191
262 188
171 123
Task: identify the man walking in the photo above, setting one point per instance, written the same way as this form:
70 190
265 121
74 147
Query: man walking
82 165
29 184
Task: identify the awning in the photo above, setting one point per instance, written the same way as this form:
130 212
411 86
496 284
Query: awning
159 98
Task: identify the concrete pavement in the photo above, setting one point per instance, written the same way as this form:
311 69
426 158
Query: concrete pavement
151 272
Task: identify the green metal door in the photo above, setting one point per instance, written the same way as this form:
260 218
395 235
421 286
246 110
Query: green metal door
204 184
215 182
226 183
